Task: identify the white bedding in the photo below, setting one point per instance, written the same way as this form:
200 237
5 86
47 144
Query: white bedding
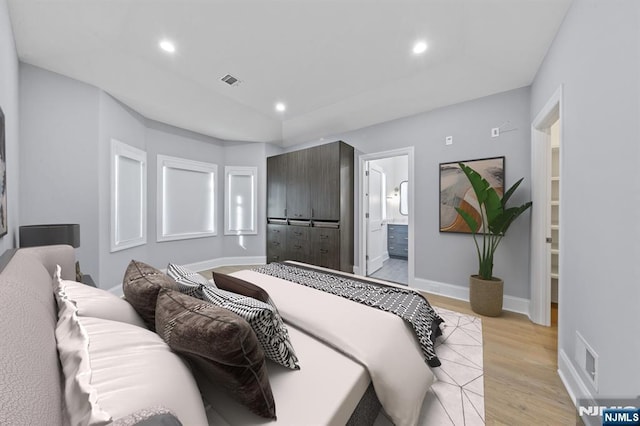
380 341
331 384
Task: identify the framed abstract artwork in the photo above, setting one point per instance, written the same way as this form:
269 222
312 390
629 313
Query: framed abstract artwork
456 191
3 179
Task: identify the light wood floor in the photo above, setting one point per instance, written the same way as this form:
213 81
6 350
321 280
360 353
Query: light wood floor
521 383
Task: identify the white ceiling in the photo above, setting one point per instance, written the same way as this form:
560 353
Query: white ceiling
338 65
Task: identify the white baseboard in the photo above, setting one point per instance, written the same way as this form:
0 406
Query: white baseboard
205 265
519 305
442 289
509 303
225 261
571 379
356 270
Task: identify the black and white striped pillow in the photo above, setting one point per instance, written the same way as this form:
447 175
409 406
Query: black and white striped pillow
189 282
263 317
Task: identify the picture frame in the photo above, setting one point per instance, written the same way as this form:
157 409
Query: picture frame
456 191
3 179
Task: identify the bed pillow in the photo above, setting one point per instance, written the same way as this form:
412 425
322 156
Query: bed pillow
95 302
113 369
236 285
188 281
141 285
220 344
263 317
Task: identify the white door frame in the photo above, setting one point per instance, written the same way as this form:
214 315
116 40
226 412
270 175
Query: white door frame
540 306
362 196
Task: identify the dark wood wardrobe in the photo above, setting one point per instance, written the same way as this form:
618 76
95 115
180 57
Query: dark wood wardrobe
310 206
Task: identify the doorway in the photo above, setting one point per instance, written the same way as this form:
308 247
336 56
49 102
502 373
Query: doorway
385 216
546 235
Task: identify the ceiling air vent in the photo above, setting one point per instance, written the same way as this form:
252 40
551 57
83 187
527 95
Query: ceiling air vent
230 80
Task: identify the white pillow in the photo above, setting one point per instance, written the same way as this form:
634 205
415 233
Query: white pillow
73 350
113 369
95 302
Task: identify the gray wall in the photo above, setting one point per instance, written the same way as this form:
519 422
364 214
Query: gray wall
121 123
126 126
595 56
67 130
9 105
59 156
444 257
249 154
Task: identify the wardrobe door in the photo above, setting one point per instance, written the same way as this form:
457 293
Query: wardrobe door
298 184
277 186
325 182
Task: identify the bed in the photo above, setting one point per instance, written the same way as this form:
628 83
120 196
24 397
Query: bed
368 348
350 355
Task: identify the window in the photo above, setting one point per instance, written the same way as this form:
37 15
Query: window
186 199
240 202
128 196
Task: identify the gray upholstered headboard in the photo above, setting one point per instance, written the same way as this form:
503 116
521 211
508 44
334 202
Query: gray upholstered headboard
29 367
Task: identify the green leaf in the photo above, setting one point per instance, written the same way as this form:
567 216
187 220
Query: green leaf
510 192
471 222
492 206
504 221
478 183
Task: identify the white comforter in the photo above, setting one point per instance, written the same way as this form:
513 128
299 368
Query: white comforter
381 341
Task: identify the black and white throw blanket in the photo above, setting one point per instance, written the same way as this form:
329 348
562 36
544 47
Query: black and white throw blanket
409 305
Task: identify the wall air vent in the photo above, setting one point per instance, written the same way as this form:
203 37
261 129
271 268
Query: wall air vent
230 80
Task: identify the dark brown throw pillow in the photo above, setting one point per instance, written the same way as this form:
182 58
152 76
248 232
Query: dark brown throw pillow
141 285
236 285
221 345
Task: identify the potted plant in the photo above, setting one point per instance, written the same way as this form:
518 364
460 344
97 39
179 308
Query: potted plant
485 290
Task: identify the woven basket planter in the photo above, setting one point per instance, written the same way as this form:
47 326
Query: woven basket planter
485 296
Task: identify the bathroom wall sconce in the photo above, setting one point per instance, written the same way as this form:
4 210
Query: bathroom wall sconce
395 193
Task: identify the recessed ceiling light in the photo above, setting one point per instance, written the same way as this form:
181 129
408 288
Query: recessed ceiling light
419 47
280 107
167 46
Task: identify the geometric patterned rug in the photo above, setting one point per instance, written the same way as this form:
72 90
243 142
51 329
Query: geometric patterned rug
457 394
